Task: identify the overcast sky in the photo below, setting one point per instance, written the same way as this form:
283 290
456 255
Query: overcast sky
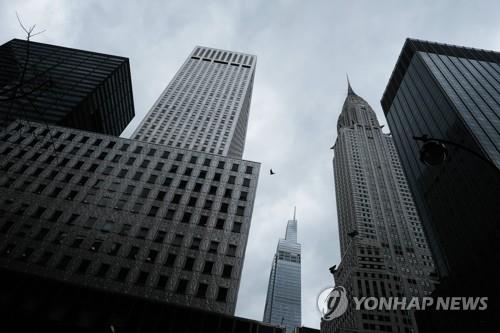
304 49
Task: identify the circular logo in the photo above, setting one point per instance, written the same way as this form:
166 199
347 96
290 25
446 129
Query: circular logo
332 302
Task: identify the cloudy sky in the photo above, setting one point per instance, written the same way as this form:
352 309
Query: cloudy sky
304 49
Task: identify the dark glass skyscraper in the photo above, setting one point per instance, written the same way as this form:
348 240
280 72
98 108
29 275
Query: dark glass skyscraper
63 86
283 301
452 93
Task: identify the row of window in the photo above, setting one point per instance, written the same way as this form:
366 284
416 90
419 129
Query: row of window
123 274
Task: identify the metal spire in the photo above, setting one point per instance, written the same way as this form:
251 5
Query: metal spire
349 88
294 211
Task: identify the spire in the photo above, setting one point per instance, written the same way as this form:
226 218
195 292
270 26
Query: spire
349 88
294 211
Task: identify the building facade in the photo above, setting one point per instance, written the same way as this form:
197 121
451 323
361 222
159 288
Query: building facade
63 86
383 249
206 105
125 216
283 301
452 93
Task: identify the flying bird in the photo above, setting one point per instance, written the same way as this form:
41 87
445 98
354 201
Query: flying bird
271 172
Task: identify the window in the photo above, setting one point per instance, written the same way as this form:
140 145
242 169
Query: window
161 195
214 246
192 201
188 264
96 245
208 204
243 196
107 226
226 272
26 253
182 184
217 177
240 210
177 198
231 179
221 165
228 193
186 218
44 258
170 261
231 250
249 170
195 244
77 242
181 286
236 227
178 240
122 274
188 171
132 254
207 267
223 207
203 221
235 167
162 282
113 251
222 294
141 278
167 181
152 255
103 269
125 229
142 233
64 262
207 162
82 268
193 159
71 195
202 174
197 187
220 224
170 214
213 190
202 290
246 182
160 236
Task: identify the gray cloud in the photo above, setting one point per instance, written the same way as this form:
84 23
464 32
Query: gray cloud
304 50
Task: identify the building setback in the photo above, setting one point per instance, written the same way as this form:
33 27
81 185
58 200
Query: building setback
283 301
452 93
206 105
124 216
63 86
384 251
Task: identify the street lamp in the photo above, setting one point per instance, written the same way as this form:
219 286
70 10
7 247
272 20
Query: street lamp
434 151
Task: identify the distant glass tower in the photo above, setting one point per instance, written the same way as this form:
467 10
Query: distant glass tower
205 107
384 251
283 302
452 93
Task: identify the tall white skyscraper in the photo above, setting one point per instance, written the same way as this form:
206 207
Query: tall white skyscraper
205 107
283 301
383 248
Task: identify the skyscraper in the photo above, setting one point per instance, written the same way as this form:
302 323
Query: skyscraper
64 86
283 301
451 93
383 249
132 218
205 107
